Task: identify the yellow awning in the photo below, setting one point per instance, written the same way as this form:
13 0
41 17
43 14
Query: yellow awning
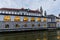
38 19
45 19
32 19
25 19
17 18
7 18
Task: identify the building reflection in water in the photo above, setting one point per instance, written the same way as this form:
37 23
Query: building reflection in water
35 35
58 35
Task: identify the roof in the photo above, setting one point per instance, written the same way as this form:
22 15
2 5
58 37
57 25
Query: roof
53 16
22 9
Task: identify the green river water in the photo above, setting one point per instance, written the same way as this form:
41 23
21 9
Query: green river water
31 35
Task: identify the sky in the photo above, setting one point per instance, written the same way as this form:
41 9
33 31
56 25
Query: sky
51 6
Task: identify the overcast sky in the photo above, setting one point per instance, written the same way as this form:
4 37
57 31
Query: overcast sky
51 6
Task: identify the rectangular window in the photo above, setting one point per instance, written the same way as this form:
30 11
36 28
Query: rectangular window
50 25
53 25
57 20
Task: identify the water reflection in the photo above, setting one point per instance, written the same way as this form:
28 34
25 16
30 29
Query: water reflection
34 35
58 35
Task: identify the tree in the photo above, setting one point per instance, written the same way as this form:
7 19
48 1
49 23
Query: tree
45 13
41 10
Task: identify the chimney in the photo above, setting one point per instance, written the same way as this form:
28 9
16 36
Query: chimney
45 13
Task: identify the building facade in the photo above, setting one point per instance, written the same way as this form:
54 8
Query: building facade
24 19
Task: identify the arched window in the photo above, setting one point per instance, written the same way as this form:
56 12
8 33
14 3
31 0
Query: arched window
45 26
17 25
25 25
25 19
6 25
17 18
32 19
38 25
7 18
33 25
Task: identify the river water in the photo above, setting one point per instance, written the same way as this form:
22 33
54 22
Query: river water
32 35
